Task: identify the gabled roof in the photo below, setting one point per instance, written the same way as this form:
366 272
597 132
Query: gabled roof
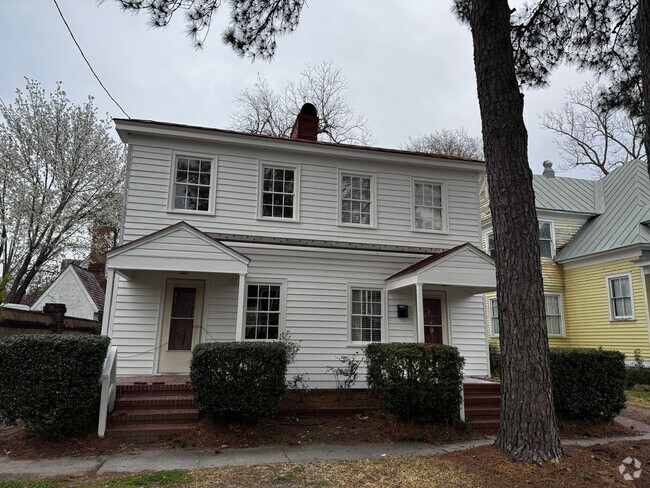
567 194
179 247
89 281
463 266
626 206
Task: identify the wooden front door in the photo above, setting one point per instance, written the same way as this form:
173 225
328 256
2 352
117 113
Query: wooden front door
181 328
433 320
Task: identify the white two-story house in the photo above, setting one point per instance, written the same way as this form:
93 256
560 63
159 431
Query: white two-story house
237 237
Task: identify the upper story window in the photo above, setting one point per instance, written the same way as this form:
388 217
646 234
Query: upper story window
546 240
262 311
279 192
366 314
357 199
621 303
428 206
192 184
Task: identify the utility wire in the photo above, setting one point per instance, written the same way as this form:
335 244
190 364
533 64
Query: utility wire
86 60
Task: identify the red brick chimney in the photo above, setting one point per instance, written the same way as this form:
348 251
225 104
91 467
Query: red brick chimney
306 125
101 243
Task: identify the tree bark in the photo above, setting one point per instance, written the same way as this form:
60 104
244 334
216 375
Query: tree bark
528 427
643 34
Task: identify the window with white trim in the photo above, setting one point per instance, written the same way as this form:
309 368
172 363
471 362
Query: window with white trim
365 315
192 184
262 311
278 192
428 207
356 199
553 306
621 306
491 246
546 241
494 317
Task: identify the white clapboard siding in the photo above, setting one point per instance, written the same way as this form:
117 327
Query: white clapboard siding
316 309
237 193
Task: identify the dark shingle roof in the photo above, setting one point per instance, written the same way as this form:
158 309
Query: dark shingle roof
90 284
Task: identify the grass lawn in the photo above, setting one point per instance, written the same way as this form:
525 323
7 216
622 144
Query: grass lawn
638 398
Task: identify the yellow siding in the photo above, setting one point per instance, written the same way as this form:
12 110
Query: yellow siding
586 309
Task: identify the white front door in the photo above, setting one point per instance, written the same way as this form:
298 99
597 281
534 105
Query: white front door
181 327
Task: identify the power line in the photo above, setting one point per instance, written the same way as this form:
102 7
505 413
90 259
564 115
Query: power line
86 59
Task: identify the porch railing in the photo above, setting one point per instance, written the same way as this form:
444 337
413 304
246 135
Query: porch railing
109 387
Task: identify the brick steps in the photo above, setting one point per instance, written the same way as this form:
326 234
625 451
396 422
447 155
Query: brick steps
482 406
153 409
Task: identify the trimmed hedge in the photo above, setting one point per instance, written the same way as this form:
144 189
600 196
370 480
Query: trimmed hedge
588 383
420 381
51 382
239 380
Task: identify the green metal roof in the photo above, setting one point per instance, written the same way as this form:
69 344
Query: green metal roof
623 196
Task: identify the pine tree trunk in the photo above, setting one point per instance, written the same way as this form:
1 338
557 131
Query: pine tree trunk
643 34
528 427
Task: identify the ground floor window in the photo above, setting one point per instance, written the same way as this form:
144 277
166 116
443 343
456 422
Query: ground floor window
494 317
552 304
365 315
620 297
262 311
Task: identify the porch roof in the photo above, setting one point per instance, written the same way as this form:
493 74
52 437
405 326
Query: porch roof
179 247
462 266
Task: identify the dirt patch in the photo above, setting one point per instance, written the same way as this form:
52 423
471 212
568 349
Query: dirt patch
637 413
594 466
581 429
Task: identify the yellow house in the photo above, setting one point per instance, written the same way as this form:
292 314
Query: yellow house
595 248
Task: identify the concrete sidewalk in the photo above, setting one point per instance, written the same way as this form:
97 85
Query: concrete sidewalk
163 460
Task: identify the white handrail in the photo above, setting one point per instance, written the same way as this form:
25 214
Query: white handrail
107 400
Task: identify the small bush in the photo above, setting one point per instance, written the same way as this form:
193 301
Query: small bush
638 373
420 381
239 380
588 383
495 360
51 382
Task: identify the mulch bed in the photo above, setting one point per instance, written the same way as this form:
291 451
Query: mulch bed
301 426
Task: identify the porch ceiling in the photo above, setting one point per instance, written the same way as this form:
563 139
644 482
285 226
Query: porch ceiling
179 247
462 266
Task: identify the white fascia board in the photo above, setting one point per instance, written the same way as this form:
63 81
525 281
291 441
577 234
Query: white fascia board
125 128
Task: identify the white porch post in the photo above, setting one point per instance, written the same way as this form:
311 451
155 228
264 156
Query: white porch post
420 311
110 284
239 328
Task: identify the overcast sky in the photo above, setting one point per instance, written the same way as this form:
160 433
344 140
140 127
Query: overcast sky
408 65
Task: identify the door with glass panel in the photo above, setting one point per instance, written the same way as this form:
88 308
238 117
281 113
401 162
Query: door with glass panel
181 327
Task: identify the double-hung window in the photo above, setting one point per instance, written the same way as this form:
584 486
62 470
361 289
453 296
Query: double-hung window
546 241
553 306
621 304
494 317
366 315
192 184
491 246
357 204
263 311
428 206
279 192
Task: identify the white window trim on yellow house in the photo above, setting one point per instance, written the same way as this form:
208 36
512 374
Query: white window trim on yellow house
492 303
623 318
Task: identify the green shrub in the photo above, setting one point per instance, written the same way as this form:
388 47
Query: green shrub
588 383
239 380
638 373
495 360
51 382
420 381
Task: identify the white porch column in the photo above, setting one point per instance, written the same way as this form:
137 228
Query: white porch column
420 311
108 300
239 328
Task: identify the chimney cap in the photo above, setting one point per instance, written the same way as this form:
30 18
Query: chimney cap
548 169
309 109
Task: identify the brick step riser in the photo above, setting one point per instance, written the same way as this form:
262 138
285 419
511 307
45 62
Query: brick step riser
481 415
154 403
153 390
483 404
474 392
190 417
